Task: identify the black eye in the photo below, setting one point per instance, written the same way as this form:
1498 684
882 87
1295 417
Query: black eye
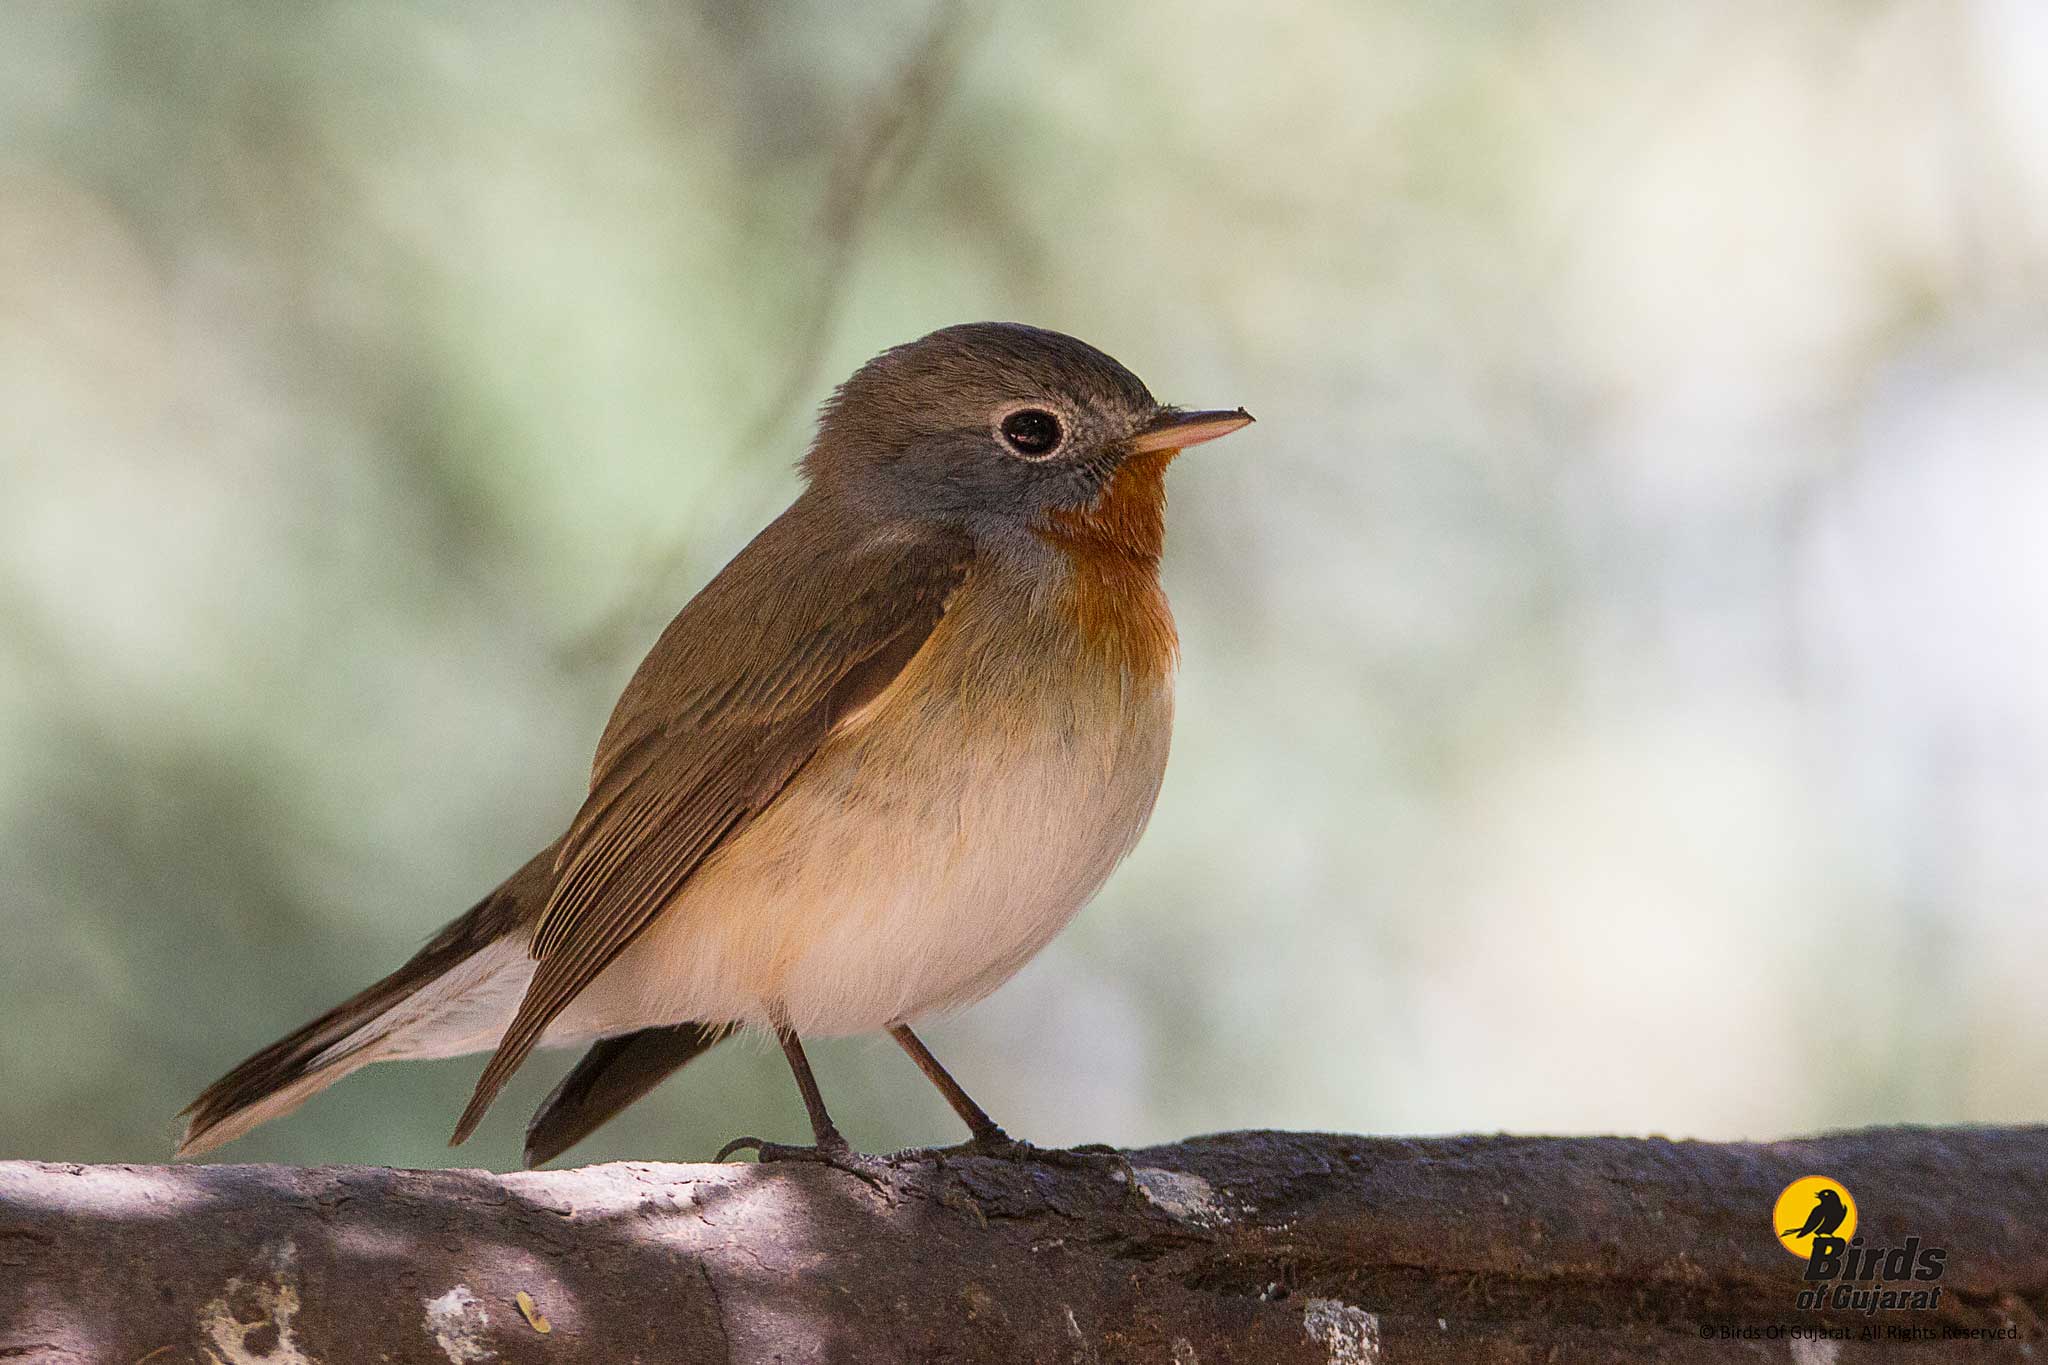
1031 431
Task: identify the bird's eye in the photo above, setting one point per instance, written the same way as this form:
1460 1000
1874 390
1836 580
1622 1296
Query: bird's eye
1031 432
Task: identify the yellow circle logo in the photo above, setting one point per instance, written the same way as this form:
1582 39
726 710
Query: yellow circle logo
1812 1206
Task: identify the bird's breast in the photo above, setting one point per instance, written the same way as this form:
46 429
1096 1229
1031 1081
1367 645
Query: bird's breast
943 834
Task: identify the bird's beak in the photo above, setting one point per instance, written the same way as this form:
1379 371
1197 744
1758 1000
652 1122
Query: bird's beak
1173 429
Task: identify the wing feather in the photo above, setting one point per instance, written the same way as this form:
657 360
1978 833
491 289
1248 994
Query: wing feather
740 692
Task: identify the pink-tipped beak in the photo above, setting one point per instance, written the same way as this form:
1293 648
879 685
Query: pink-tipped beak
1176 430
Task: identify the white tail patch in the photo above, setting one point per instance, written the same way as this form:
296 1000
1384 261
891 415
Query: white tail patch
463 1010
276 1104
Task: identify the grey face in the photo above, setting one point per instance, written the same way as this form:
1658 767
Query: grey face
987 421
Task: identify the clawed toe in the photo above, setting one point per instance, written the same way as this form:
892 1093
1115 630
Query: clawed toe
1000 1146
832 1150
1094 1156
741 1144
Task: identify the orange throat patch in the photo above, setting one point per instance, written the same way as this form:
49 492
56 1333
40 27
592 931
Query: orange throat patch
1113 546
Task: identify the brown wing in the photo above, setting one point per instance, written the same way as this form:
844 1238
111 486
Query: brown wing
802 628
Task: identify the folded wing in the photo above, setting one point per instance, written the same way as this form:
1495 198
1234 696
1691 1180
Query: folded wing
798 632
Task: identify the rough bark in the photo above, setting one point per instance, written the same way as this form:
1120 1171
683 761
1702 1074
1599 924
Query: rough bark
1263 1248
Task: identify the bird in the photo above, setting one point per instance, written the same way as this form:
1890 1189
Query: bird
1828 1213
873 767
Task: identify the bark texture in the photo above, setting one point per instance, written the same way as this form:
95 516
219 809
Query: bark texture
1262 1248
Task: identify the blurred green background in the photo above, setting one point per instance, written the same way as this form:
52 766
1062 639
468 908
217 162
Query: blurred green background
1615 692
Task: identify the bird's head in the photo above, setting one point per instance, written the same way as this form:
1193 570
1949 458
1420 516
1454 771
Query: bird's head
995 426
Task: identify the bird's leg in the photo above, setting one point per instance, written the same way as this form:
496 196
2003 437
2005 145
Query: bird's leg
987 1132
823 1132
828 1147
989 1138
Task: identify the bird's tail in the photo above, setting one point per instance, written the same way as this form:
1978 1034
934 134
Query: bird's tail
456 995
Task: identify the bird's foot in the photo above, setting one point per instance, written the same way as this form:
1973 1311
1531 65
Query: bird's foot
830 1150
1093 1156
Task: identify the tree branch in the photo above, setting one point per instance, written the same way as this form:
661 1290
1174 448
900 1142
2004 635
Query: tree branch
1246 1247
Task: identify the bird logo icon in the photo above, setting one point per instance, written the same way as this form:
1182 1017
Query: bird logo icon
1812 1206
1828 1213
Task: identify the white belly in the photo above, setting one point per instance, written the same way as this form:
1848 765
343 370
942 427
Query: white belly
885 885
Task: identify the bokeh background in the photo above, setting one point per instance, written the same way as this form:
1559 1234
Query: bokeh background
1615 692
